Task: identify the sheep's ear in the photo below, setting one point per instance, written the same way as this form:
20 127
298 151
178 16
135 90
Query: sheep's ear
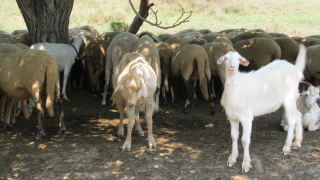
243 61
222 59
143 89
119 83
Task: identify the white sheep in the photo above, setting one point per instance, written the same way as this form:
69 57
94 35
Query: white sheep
65 56
135 84
32 74
122 43
247 95
308 107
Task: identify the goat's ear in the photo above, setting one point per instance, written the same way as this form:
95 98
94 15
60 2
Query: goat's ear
304 93
119 83
143 88
318 88
243 61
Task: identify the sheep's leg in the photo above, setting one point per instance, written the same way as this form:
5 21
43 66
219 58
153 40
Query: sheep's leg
12 116
247 127
10 103
25 109
18 110
120 108
41 130
189 98
3 108
65 79
212 95
212 87
149 110
127 144
106 86
163 90
234 136
175 91
97 78
30 105
290 109
137 123
62 127
172 94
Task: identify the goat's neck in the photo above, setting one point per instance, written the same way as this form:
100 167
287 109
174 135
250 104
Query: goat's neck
231 78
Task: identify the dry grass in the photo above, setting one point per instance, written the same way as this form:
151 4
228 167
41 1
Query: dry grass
293 17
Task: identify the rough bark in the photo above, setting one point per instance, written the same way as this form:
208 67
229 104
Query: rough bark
46 20
137 21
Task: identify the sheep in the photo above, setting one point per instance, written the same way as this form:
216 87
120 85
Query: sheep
312 68
223 39
307 41
215 50
233 30
191 62
8 40
211 36
249 35
95 59
9 107
135 85
289 48
308 107
177 42
275 35
120 44
108 36
165 54
205 31
28 74
20 31
25 39
65 56
258 51
247 95
147 48
199 41
84 29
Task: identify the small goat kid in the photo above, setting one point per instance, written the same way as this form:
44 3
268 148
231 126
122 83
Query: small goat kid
135 84
247 95
308 107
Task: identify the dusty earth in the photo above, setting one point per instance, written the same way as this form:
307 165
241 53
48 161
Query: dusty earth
192 146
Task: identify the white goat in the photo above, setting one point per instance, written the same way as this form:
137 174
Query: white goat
308 107
65 56
135 84
247 95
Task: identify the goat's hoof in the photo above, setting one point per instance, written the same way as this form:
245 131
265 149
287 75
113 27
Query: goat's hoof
246 167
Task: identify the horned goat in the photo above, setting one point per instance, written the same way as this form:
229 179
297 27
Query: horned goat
135 84
308 107
65 56
247 95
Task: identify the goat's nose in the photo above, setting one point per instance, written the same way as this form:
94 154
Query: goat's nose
232 67
310 105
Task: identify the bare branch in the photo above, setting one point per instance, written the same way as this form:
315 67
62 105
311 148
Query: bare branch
158 24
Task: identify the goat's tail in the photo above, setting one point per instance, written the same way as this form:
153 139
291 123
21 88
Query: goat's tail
51 86
301 58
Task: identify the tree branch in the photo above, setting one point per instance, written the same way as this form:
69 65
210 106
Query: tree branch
177 23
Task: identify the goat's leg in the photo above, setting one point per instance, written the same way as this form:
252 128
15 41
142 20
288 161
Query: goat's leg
298 131
149 110
65 79
290 109
189 98
234 136
246 135
212 95
127 144
19 106
137 123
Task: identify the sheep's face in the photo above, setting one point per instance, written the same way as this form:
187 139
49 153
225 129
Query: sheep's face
312 94
233 60
134 90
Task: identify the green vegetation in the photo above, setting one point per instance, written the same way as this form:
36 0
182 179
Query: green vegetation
293 17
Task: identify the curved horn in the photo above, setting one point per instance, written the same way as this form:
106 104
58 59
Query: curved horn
307 83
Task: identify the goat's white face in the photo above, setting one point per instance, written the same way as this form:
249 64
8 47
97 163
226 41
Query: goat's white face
233 60
312 95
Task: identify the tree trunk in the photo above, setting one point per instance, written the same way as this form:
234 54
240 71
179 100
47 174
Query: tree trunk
137 21
47 20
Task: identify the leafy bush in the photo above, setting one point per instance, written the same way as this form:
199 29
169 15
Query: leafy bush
119 26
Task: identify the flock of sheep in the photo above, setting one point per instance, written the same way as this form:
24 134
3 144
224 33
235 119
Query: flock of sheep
138 68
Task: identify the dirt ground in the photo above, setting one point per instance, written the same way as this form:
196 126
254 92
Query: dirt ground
192 146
